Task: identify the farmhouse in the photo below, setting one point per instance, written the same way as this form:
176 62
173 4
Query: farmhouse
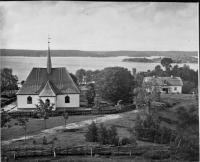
52 85
166 84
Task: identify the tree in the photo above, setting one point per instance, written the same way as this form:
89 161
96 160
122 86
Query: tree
102 134
5 118
188 87
92 133
90 93
114 84
158 70
74 78
166 62
80 74
8 80
22 121
146 94
65 116
43 110
112 135
89 76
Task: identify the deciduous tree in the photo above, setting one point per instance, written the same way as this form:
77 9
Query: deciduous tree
114 84
8 80
44 110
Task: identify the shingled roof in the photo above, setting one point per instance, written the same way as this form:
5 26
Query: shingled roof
60 82
170 81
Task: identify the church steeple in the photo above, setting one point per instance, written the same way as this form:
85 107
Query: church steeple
48 58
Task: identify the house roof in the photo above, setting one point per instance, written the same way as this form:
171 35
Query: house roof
48 90
169 81
60 82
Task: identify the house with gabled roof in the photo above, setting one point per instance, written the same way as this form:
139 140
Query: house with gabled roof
166 84
52 85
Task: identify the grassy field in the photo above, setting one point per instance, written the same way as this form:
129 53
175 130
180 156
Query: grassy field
73 137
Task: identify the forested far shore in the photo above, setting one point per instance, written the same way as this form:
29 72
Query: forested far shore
78 53
175 59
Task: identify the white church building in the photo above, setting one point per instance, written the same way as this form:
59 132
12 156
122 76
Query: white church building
52 85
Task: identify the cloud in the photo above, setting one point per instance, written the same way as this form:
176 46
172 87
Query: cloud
100 25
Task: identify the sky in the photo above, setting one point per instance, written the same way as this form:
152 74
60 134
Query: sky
100 26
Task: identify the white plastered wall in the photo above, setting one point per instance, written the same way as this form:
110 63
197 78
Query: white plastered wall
74 101
178 89
22 101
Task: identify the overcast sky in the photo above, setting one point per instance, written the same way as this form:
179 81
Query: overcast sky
100 26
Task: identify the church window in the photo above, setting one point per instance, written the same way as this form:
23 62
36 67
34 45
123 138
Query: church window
29 100
48 102
67 99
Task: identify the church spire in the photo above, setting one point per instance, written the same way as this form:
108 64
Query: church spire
48 58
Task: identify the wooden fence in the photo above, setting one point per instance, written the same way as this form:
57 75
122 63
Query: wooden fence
79 150
29 114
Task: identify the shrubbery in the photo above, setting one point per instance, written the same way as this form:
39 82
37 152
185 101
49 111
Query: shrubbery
102 135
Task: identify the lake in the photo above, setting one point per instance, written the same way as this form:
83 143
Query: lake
22 65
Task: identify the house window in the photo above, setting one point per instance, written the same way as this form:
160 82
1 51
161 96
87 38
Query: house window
29 100
48 102
67 99
175 88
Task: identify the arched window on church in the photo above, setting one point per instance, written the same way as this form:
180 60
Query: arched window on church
67 99
48 102
29 100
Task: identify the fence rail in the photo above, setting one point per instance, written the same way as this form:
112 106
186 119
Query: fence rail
31 114
79 150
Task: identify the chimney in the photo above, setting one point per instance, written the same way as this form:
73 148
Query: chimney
48 59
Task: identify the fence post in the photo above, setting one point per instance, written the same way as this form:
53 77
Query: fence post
54 153
14 155
91 151
130 152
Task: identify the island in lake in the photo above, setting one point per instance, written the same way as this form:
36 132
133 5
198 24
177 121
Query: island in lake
175 59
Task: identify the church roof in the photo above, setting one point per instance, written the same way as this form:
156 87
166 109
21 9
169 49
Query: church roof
47 90
60 82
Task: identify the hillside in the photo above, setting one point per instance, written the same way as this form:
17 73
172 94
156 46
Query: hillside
77 53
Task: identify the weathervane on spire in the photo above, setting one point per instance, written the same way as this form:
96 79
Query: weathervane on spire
48 39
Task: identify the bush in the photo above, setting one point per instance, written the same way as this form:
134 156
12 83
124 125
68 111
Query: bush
125 141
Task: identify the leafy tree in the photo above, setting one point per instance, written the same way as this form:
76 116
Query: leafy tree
22 121
188 128
43 110
112 135
146 94
158 70
65 116
90 94
92 133
5 118
166 62
102 134
89 76
74 78
188 87
114 84
8 80
80 74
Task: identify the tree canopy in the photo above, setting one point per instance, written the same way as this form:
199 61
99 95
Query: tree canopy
8 80
114 84
166 62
